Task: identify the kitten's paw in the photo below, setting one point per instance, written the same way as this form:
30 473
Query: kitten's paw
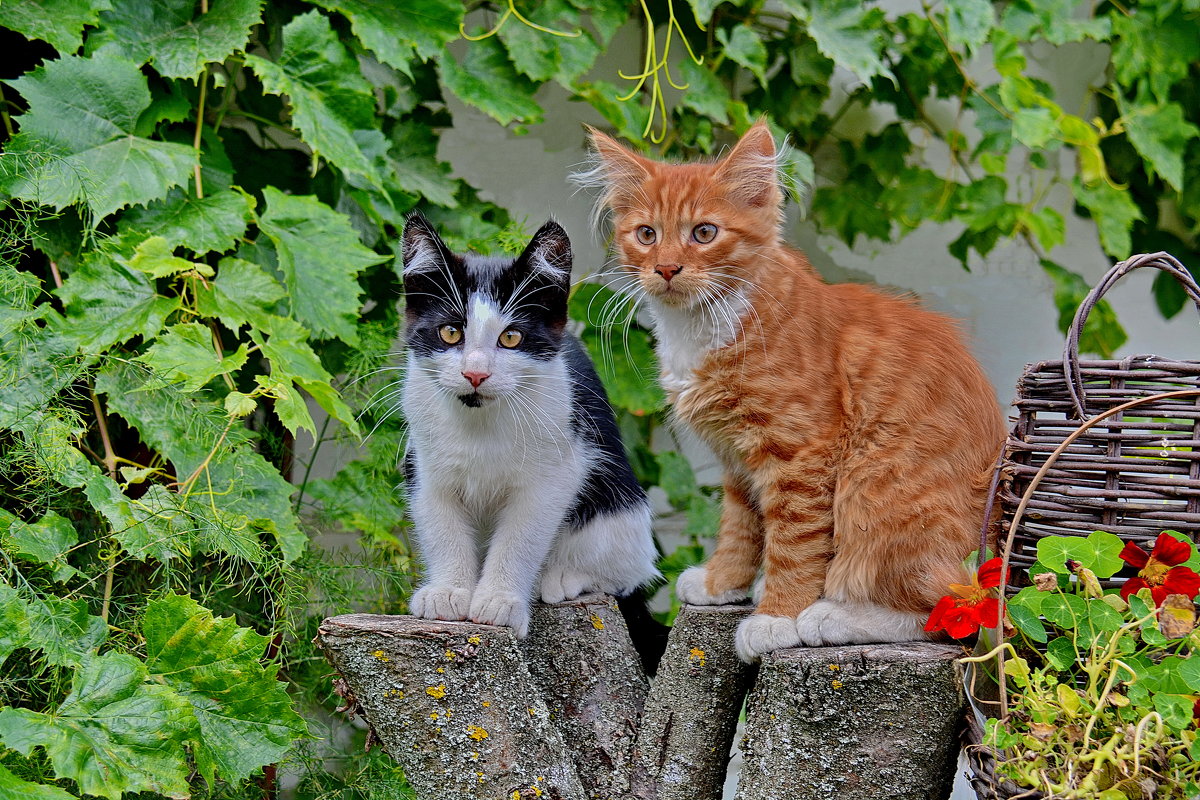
821 624
831 622
440 602
763 633
500 608
690 588
560 584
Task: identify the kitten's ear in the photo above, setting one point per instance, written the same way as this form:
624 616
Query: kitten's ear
750 172
616 172
423 250
548 253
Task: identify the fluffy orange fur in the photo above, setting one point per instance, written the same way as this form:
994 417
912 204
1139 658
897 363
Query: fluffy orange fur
856 430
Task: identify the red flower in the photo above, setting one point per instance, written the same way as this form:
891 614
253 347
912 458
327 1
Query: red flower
972 608
1160 570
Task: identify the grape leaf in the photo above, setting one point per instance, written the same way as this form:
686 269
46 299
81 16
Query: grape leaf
244 713
114 733
412 155
394 31
78 142
703 10
108 303
487 80
542 56
12 786
157 259
1156 51
175 35
968 22
185 355
1102 333
744 47
59 22
214 223
846 31
293 360
1056 21
1161 134
64 630
242 292
14 621
705 93
330 98
320 256
45 541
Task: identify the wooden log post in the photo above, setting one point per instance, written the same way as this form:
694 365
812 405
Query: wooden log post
454 704
855 722
581 655
692 711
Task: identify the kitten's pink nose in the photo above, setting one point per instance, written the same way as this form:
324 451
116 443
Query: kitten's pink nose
668 271
476 378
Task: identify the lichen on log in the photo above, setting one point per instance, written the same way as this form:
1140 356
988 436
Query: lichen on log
454 704
856 722
580 653
692 711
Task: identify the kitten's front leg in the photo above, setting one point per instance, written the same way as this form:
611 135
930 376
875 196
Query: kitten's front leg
524 535
727 576
446 539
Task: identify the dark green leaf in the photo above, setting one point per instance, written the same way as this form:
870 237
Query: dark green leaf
1027 622
1114 212
245 715
1176 709
13 787
487 80
393 31
241 293
1169 295
108 303
213 223
1061 653
1156 51
77 141
705 93
175 35
14 619
114 733
45 541
1161 134
59 22
320 257
64 630
848 32
1066 611
744 47
676 478
412 156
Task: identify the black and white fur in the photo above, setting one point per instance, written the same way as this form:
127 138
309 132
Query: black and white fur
527 464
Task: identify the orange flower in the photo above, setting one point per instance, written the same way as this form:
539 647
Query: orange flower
1160 570
971 606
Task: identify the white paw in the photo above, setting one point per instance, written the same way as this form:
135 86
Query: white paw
560 584
500 608
440 602
822 624
690 588
763 633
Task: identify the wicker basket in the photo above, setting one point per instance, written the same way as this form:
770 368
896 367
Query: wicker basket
1109 445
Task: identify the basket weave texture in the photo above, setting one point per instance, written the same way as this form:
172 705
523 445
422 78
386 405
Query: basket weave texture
1134 474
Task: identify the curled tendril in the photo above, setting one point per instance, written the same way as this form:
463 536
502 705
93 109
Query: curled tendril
512 11
654 68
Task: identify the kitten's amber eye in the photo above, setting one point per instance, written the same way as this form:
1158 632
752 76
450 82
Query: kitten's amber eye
704 233
510 338
646 235
450 334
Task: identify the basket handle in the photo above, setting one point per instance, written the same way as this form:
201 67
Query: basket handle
1161 260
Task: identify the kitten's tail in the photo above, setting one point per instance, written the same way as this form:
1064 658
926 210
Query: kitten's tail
648 634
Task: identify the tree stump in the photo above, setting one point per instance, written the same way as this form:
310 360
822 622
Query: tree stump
454 704
692 711
580 653
855 722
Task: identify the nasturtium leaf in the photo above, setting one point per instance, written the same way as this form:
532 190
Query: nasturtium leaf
393 31
846 31
1067 611
64 630
215 222
1189 673
45 541
77 142
1099 551
1103 619
1161 134
320 257
968 22
114 733
1027 621
1166 676
705 93
185 354
1061 653
329 97
744 47
13 787
487 80
243 292
1175 709
176 36
59 22
14 620
1102 333
156 258
245 715
108 303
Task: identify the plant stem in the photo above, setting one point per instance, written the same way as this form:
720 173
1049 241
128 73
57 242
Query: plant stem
312 457
200 126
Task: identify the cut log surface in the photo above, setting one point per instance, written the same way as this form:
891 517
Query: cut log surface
855 722
454 704
692 711
580 653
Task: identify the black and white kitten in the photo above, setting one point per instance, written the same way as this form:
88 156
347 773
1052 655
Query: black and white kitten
513 448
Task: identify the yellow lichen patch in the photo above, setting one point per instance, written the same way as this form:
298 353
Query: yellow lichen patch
697 655
475 757
436 692
477 733
380 656
474 639
451 655
440 669
835 667
836 684
433 715
597 623
487 704
394 693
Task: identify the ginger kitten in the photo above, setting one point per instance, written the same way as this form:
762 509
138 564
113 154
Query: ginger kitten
856 431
